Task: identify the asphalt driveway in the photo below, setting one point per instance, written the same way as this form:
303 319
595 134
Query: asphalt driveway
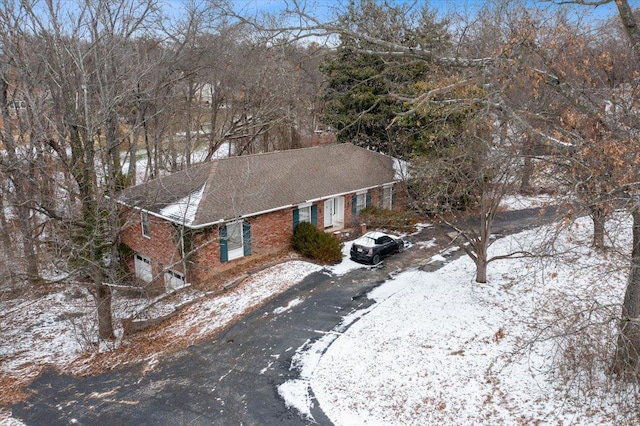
230 381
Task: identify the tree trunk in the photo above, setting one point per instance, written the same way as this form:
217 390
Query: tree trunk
188 143
481 269
5 238
629 23
22 191
599 218
92 235
525 177
627 358
482 244
102 295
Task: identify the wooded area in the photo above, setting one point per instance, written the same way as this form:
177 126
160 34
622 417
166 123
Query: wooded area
97 96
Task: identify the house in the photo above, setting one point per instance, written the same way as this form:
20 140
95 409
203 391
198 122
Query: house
187 226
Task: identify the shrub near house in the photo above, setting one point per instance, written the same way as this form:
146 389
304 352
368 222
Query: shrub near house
311 242
188 226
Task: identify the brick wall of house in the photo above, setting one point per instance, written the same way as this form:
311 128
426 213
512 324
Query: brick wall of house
206 258
348 210
376 195
270 233
160 247
320 222
401 197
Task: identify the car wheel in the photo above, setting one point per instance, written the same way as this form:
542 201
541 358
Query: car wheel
376 259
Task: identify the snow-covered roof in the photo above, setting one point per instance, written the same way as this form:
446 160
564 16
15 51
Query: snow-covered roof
185 209
401 169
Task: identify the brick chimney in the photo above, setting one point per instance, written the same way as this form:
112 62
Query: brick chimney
323 138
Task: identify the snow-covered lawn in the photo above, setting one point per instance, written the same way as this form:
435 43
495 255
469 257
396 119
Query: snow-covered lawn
439 349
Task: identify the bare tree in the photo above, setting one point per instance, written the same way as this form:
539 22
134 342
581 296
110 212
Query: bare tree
627 361
463 185
620 123
15 169
83 70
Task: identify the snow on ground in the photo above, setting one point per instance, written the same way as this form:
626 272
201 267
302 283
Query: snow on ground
47 330
211 314
291 304
296 393
438 348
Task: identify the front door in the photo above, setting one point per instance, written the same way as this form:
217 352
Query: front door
334 213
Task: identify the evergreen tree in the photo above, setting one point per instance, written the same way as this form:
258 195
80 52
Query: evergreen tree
367 91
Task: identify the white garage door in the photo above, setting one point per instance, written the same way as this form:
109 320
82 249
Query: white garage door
173 280
143 268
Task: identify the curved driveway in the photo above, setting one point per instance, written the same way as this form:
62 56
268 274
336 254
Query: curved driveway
232 380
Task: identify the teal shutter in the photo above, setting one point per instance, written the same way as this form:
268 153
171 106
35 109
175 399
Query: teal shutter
381 198
368 201
224 256
354 201
296 219
314 215
246 237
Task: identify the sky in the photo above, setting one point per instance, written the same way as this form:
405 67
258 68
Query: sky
324 8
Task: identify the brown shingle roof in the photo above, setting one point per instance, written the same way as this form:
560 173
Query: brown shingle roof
243 186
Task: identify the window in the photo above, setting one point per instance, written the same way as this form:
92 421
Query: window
361 202
384 240
306 212
235 240
143 268
387 197
144 220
